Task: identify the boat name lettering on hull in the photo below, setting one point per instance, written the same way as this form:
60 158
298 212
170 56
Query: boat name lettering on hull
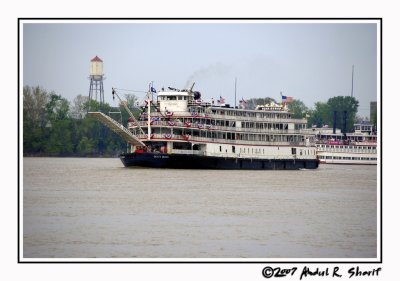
161 156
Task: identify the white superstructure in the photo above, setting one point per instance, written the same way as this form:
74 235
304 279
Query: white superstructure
181 123
359 147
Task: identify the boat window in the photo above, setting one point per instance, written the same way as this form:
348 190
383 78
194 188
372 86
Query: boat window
171 98
233 149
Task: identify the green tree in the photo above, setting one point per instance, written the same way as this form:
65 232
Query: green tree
374 118
57 108
78 109
60 138
346 110
323 114
92 105
50 128
34 106
298 108
34 140
86 146
131 100
34 119
319 116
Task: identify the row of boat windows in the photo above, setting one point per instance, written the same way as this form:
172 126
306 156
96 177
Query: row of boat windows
257 125
362 149
365 128
262 150
195 122
347 158
173 98
241 113
348 147
269 126
227 135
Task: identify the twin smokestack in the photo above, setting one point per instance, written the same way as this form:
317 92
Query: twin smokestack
344 121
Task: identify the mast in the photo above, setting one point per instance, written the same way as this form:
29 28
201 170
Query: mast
235 91
148 119
191 88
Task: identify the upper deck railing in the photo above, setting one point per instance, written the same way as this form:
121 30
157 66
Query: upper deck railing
173 137
209 127
205 115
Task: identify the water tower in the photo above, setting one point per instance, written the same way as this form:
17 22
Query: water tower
96 90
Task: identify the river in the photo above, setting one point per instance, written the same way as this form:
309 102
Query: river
96 208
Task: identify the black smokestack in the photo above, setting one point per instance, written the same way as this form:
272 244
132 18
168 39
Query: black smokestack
197 95
344 122
334 122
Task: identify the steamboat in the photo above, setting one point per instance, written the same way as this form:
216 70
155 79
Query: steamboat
177 129
357 147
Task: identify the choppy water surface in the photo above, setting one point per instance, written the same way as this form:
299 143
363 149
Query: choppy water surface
86 208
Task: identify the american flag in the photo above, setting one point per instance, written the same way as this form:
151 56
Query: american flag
287 99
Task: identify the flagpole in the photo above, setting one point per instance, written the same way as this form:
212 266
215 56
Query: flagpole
235 91
152 94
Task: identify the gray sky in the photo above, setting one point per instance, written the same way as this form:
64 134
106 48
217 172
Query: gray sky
307 61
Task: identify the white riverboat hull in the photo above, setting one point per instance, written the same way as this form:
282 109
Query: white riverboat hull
339 155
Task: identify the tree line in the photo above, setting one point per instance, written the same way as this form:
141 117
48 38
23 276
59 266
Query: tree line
52 126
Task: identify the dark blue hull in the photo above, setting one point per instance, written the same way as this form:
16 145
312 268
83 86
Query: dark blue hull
182 161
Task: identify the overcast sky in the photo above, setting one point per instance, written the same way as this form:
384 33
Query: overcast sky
309 61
